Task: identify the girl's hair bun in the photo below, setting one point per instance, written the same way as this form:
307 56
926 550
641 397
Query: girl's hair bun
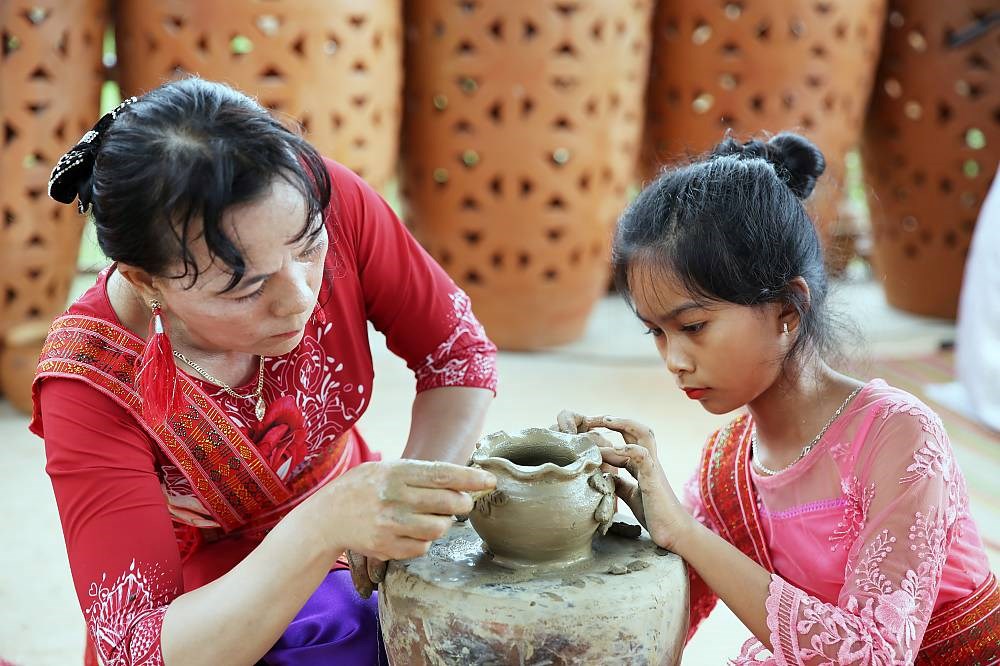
797 159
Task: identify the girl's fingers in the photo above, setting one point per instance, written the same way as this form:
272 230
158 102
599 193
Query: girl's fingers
627 489
569 421
630 454
633 431
613 457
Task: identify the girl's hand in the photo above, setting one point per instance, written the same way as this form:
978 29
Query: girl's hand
392 511
650 497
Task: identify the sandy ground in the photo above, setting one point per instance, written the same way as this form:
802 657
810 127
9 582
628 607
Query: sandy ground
612 369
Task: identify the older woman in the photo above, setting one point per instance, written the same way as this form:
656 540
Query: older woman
198 403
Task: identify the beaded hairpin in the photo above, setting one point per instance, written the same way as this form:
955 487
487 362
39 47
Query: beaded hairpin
82 155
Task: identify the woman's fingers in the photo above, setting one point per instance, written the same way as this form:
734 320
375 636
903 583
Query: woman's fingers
404 523
435 501
425 474
376 570
359 574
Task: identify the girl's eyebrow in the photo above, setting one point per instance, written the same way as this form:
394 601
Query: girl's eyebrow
676 312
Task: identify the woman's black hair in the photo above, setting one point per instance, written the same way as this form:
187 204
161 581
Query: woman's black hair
732 227
161 171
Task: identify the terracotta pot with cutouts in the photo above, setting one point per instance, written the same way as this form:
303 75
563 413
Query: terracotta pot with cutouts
332 65
764 66
50 82
521 134
931 147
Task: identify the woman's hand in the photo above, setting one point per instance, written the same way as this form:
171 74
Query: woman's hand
652 499
392 511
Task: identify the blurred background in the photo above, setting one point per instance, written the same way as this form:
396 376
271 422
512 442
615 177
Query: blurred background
509 136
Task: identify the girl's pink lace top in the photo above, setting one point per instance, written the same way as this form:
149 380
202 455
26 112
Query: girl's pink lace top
869 533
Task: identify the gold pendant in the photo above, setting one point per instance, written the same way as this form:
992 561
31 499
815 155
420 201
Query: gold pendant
259 408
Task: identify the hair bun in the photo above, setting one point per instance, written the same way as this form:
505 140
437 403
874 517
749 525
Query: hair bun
797 159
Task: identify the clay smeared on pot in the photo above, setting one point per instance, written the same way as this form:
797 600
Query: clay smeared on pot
551 497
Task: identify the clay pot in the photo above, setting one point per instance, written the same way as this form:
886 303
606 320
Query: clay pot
332 65
551 497
50 81
521 132
19 352
931 148
763 66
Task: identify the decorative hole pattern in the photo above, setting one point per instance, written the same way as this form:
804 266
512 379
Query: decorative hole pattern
331 65
932 142
769 65
546 100
50 78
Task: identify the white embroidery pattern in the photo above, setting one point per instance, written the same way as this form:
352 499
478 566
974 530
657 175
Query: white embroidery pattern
451 364
125 617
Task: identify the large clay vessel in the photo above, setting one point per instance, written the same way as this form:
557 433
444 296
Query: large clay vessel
551 497
50 82
764 66
332 65
520 137
931 147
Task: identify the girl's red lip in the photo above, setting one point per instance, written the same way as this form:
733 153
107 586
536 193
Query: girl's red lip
285 336
695 393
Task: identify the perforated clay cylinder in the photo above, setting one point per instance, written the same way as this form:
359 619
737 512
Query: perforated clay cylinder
332 65
931 147
50 82
520 138
764 66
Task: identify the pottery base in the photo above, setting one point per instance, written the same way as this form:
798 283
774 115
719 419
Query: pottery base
627 605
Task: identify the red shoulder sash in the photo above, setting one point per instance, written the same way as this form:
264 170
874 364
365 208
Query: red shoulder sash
224 468
728 493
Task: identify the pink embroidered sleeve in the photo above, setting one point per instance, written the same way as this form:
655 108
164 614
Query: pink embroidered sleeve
121 545
426 318
909 495
702 599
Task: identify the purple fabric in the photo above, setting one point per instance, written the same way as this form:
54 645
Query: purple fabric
336 626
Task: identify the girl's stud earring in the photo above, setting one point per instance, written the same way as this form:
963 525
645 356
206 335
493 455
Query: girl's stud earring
784 327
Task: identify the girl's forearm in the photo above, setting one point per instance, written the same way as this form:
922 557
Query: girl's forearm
446 423
238 617
741 583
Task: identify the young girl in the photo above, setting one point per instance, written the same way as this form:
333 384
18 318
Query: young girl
831 517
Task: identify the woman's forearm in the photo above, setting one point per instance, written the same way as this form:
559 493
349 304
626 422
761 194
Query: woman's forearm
741 583
238 617
446 422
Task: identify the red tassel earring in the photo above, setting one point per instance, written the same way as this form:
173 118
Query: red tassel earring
319 316
156 374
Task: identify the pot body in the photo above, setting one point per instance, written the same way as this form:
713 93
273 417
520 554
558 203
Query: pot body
549 498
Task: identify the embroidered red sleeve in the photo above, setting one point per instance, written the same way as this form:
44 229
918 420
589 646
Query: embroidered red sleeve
121 545
426 318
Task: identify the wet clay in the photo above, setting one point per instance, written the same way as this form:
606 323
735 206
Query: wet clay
551 497
456 605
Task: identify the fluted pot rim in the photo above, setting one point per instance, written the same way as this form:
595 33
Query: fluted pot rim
489 450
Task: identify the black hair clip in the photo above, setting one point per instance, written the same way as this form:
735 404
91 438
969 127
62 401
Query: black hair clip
73 167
